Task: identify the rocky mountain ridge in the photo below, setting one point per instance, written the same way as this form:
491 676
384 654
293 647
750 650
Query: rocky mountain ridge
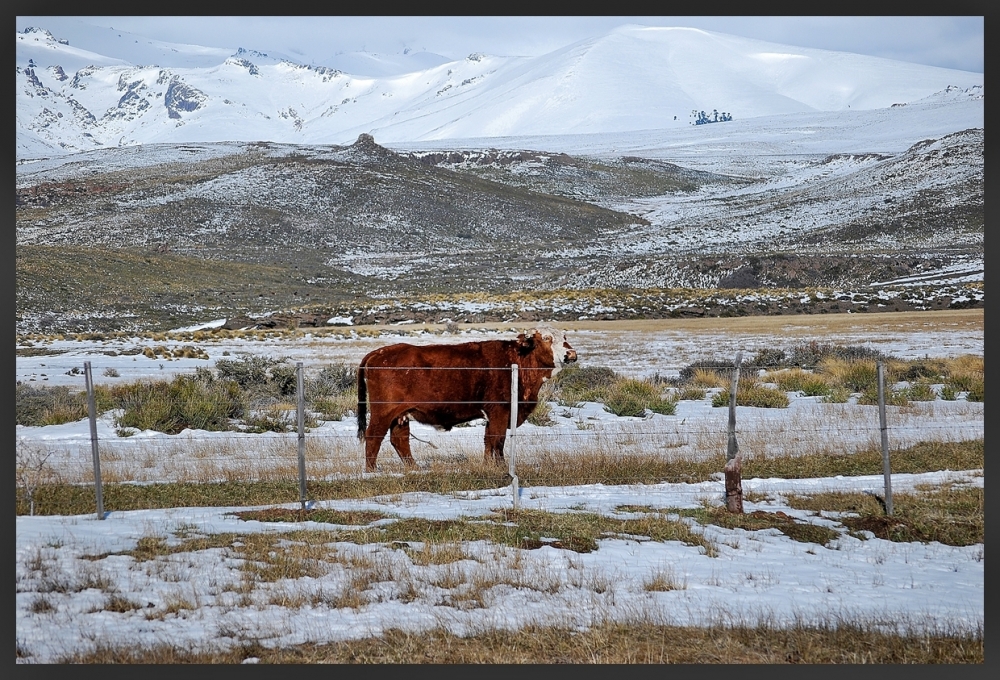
164 236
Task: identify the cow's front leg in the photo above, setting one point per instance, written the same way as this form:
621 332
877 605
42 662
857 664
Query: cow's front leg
399 437
496 435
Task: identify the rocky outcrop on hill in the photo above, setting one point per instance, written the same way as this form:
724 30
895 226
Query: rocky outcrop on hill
181 98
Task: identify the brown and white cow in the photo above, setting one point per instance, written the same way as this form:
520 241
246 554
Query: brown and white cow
447 384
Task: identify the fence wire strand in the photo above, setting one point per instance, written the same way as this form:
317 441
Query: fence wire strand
653 434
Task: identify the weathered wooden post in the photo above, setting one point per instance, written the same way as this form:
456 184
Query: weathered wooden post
886 474
301 418
512 448
734 462
92 411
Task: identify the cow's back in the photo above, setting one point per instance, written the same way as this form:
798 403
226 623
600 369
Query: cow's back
429 374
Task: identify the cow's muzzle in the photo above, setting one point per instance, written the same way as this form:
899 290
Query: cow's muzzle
570 356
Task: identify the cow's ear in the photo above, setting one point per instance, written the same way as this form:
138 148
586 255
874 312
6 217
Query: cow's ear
525 343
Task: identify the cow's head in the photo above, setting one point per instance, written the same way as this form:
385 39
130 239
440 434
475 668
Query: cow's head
551 340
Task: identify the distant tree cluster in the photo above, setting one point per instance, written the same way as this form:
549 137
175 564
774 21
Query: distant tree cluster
701 118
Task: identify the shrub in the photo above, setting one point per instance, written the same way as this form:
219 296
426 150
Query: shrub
948 393
333 392
869 396
707 373
542 415
753 395
966 363
857 376
838 395
976 391
926 369
798 380
704 377
920 391
271 419
588 383
630 397
249 371
812 354
691 394
336 406
183 403
284 379
333 379
39 406
966 373
769 358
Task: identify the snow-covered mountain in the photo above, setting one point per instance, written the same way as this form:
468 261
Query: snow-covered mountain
70 99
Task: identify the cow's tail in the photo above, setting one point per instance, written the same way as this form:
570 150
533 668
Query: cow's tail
362 402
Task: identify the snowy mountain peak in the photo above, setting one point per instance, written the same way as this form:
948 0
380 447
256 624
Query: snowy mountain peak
632 78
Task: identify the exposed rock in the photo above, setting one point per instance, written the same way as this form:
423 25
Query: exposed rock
182 97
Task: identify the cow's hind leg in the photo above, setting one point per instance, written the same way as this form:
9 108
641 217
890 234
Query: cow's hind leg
399 437
377 427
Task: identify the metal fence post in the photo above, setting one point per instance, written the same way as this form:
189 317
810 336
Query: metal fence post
301 420
512 450
734 462
92 411
886 473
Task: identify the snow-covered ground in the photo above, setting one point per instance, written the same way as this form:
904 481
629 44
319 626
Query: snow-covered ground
188 598
757 575
778 135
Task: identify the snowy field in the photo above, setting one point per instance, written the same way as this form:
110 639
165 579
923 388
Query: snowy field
759 575
190 599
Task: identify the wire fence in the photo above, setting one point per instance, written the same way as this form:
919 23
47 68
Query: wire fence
312 448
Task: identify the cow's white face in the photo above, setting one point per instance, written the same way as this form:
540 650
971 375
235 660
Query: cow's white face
562 353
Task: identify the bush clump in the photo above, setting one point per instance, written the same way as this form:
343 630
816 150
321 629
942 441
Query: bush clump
247 371
797 380
707 373
630 397
587 383
753 394
813 353
857 376
182 403
40 406
691 394
920 391
333 379
333 393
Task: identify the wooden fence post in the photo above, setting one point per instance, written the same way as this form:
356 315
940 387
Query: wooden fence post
301 420
92 411
512 449
734 462
886 473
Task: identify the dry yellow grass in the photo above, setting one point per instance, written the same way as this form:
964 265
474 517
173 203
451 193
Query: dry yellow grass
640 642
